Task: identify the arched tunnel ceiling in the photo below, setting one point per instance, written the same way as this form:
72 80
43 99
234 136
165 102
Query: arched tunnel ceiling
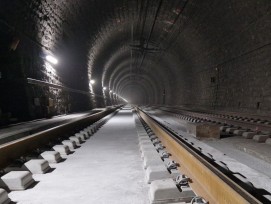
135 44
122 40
163 44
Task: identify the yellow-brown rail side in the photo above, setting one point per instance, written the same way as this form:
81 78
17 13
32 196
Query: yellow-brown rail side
207 182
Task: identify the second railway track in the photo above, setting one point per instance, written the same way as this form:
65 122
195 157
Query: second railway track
254 123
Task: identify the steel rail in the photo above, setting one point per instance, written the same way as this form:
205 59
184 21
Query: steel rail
15 149
218 112
207 180
243 124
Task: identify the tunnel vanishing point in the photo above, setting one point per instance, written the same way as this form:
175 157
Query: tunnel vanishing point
65 56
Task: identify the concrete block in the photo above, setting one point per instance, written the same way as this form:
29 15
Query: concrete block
81 136
143 140
166 160
249 135
149 151
37 166
203 130
268 141
94 127
143 133
84 131
231 130
265 133
260 138
238 132
62 149
86 134
166 191
92 130
51 156
77 140
223 128
18 180
145 143
156 141
152 160
147 147
70 143
153 153
156 173
143 136
4 199
87 130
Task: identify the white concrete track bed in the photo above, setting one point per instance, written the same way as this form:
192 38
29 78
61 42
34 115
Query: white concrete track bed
107 169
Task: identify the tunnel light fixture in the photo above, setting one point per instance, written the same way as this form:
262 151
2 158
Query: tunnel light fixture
104 88
92 81
51 59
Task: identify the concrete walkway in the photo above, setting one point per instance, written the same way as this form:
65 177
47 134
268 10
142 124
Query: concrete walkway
107 169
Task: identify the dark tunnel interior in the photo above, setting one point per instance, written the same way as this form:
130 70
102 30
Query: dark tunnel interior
188 53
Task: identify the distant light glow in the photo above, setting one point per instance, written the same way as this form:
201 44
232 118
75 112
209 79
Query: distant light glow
110 91
124 99
51 59
92 81
104 88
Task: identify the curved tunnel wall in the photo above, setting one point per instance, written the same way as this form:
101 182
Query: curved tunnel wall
202 54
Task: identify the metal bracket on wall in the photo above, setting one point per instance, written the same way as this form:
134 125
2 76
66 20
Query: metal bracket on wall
56 86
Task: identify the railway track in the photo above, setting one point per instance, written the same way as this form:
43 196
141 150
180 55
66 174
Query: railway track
20 130
208 178
14 155
254 123
257 128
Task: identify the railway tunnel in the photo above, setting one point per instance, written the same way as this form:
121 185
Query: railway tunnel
165 101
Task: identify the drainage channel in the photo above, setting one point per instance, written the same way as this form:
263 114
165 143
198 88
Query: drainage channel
17 172
210 181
